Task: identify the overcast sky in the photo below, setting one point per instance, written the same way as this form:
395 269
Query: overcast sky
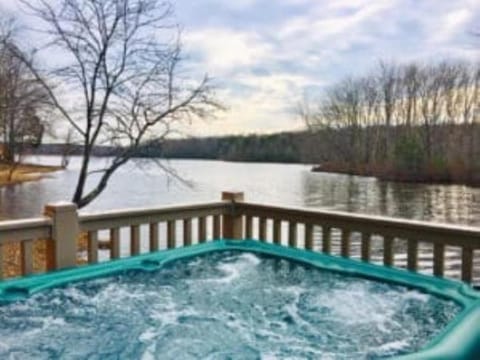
267 54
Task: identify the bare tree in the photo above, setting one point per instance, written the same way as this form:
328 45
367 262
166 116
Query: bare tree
67 149
387 83
22 99
122 61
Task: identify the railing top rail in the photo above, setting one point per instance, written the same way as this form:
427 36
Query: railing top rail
125 217
149 211
373 223
24 229
6 225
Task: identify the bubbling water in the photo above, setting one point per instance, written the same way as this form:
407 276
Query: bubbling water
224 305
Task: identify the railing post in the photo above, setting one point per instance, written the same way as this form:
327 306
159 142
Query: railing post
65 231
232 221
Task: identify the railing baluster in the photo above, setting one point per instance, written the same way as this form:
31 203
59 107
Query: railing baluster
27 257
412 255
202 229
135 239
263 229
1 262
292 234
388 250
467 264
326 239
187 232
115 243
217 233
345 243
277 231
249 227
438 259
153 236
308 236
171 241
93 247
366 246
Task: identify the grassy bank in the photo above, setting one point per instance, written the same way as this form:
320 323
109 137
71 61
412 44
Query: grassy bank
23 172
430 175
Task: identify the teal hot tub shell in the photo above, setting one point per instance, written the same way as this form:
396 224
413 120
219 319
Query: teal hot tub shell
460 339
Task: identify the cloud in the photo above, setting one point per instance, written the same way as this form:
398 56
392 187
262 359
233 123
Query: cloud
265 55
223 50
268 63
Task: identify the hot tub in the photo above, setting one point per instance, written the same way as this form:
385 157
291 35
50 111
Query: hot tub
239 300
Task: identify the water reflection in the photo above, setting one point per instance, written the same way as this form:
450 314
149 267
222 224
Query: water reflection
441 203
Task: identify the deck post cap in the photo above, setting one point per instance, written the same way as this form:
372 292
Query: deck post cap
235 196
59 207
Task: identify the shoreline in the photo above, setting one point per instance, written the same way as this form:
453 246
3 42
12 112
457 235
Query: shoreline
424 179
25 172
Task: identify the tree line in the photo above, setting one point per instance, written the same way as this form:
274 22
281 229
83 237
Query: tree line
287 147
411 122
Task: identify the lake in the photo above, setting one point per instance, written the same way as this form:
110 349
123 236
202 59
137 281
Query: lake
144 183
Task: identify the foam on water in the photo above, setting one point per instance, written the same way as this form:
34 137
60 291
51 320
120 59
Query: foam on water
223 305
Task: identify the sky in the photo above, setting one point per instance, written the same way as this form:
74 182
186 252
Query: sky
266 56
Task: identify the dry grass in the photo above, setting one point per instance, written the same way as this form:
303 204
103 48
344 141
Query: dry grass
24 172
12 256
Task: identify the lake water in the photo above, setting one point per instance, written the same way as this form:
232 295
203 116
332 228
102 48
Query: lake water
144 183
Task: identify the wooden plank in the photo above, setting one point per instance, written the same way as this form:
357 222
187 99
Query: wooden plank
232 225
309 236
187 232
27 257
248 227
262 229
292 234
171 233
388 250
153 236
1 262
345 243
438 259
217 231
202 229
467 264
135 239
92 247
366 246
115 243
50 254
277 231
326 239
412 255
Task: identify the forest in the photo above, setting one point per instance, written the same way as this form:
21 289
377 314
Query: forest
414 122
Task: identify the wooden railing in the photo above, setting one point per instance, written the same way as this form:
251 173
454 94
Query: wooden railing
178 229
393 237
451 250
